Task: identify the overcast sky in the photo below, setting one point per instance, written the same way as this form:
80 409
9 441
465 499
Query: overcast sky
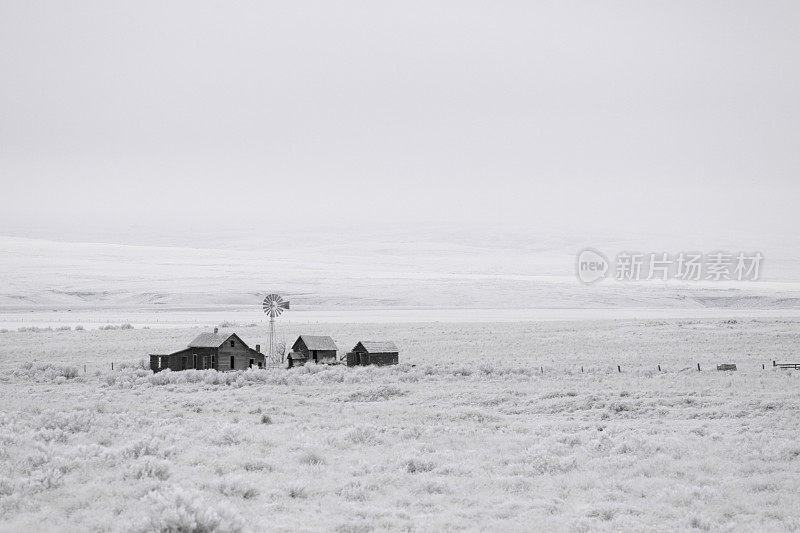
190 115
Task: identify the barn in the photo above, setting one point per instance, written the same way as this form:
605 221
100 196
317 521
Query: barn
373 353
218 351
317 348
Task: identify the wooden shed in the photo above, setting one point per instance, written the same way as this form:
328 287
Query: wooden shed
373 353
317 348
296 359
218 351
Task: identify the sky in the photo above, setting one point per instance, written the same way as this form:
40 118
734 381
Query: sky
150 118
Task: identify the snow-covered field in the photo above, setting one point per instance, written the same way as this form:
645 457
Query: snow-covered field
385 273
501 427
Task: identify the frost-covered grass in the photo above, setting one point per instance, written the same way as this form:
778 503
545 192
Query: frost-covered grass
467 433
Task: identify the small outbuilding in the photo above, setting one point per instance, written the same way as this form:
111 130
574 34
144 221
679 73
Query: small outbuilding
218 351
296 359
373 353
317 348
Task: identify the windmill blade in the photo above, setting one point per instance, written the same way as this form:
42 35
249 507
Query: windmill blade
273 305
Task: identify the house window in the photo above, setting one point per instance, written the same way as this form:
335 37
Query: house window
252 361
232 361
232 343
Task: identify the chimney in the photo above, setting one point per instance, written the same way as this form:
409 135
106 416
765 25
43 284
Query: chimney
216 330
258 348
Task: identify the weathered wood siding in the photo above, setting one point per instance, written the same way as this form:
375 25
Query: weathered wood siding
318 356
378 359
381 359
242 355
202 358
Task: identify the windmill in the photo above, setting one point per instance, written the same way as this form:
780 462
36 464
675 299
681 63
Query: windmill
273 305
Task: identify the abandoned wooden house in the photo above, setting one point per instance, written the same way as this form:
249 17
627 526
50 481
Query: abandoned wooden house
317 348
373 353
218 351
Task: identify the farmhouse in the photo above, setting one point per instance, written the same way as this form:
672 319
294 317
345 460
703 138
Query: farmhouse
317 348
218 351
373 353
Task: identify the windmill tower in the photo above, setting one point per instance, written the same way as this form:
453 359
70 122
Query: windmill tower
273 306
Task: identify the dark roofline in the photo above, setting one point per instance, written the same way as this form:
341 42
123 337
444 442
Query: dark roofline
306 338
361 343
221 343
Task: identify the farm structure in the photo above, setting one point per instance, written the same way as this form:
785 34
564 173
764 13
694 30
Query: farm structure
218 351
373 353
317 348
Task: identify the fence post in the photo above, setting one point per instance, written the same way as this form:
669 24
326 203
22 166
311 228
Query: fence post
659 368
112 365
84 368
581 369
619 369
774 363
542 370
698 367
763 367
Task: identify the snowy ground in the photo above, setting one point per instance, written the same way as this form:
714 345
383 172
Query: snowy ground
483 426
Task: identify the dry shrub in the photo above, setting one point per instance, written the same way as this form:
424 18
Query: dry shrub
356 491
237 487
414 466
151 446
363 435
258 465
311 458
228 436
296 491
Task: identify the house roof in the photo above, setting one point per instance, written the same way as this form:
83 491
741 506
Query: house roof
378 346
318 342
212 340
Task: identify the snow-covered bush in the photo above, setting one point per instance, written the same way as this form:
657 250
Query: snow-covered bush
237 487
363 435
45 371
311 458
33 329
113 327
173 509
373 394
149 466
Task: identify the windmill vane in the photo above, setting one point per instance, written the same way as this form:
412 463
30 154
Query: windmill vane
273 305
